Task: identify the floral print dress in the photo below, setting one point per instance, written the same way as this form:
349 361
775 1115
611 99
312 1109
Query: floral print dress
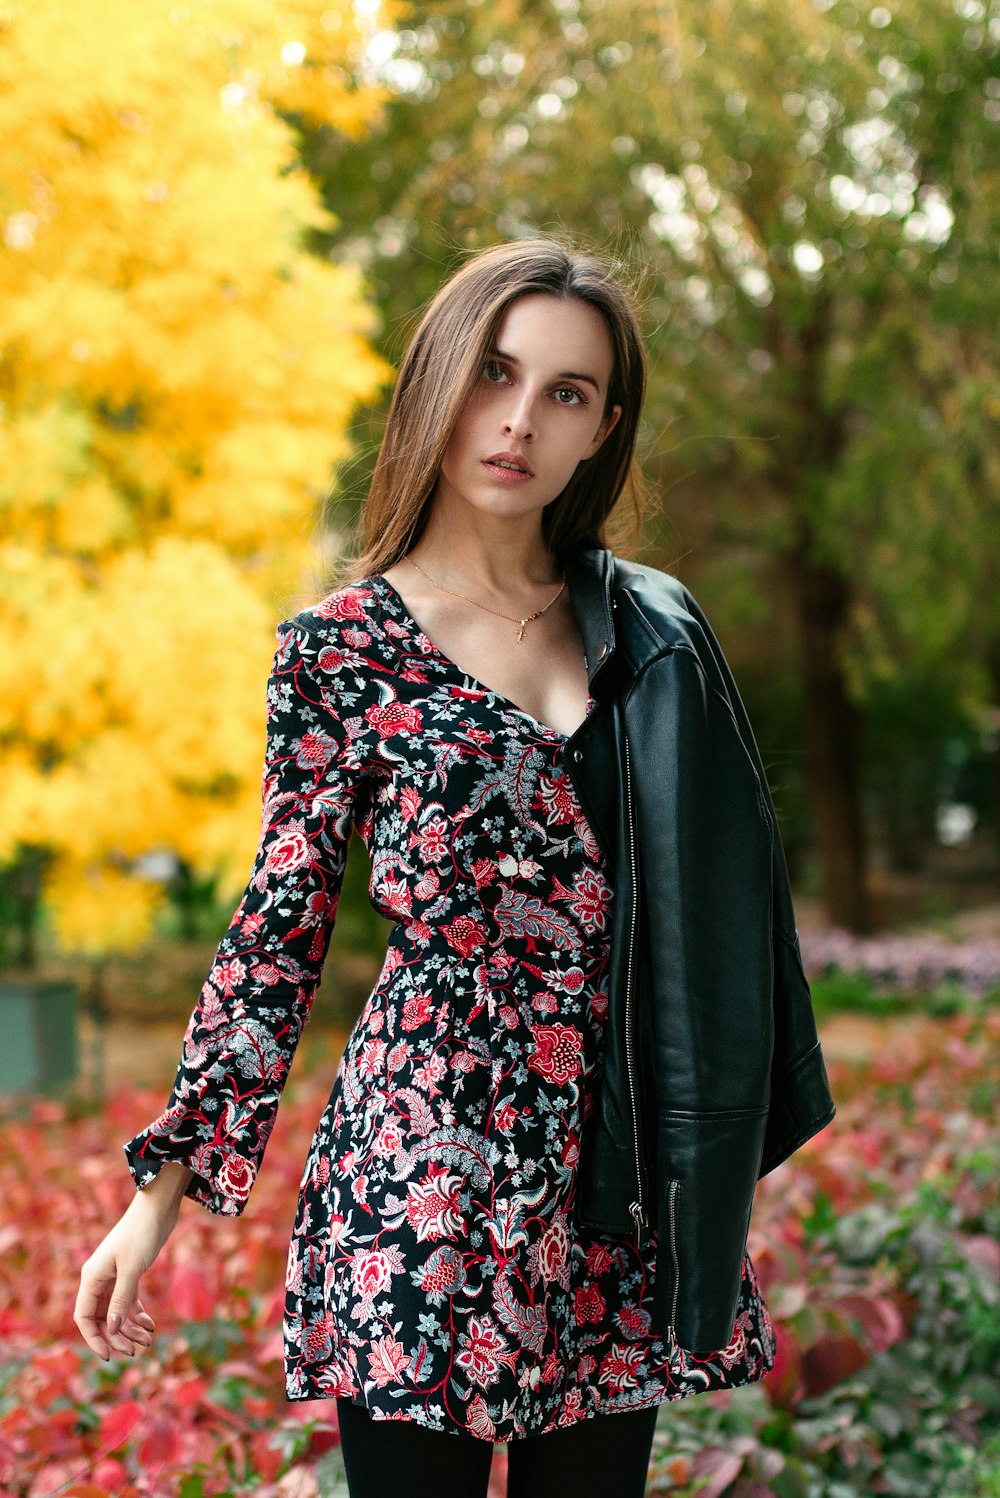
435 1271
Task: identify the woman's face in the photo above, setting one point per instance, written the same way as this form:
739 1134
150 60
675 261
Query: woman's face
539 401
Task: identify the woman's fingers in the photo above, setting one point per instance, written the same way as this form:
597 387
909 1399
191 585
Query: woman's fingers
91 1308
134 1326
136 1333
119 1310
142 1316
108 1311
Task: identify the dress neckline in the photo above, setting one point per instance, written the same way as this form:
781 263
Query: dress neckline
480 686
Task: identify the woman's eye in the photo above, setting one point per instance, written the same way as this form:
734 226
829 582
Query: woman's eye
569 390
493 371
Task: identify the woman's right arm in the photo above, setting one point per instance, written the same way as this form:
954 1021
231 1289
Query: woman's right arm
209 1141
242 1035
109 1312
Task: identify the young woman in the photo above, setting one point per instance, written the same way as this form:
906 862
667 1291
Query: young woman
438 1286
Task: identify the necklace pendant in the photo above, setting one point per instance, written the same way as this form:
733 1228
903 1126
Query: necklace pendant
520 633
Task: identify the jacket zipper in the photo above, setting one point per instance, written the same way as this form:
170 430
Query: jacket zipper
675 1186
636 1207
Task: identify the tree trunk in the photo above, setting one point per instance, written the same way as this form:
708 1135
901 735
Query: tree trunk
814 440
26 881
834 729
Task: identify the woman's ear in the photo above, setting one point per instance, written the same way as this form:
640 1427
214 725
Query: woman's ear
604 430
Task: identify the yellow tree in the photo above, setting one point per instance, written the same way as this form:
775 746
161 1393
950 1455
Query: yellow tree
177 377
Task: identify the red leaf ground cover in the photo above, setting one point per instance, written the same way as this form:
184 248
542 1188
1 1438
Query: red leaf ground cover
203 1412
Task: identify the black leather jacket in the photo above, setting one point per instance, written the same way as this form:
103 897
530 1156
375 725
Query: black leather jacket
712 1072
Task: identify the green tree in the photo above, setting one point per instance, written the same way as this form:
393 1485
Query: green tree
813 189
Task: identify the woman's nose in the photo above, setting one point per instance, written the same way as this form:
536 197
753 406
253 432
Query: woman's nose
520 421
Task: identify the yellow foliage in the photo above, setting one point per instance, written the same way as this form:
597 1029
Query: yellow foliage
177 377
97 910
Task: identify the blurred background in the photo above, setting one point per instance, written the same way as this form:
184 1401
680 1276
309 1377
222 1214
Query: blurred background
219 222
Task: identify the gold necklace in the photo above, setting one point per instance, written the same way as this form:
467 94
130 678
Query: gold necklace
512 617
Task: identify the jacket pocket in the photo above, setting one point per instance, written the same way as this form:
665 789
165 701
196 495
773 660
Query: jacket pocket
714 1158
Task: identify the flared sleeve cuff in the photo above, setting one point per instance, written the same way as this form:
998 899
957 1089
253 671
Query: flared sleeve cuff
223 1175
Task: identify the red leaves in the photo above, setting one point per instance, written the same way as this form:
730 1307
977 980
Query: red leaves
322 1438
118 1423
161 1446
187 1393
824 1334
903 1121
135 1428
830 1360
785 1384
853 1328
717 1469
267 1457
189 1293
57 1369
880 1317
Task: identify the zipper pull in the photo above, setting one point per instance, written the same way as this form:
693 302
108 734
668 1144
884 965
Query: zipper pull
641 1223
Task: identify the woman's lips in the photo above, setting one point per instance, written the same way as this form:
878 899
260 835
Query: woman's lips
506 475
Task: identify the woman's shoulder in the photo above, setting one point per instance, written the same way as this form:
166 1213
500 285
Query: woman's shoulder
349 623
658 593
347 605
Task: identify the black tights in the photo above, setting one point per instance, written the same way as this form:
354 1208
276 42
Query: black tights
594 1458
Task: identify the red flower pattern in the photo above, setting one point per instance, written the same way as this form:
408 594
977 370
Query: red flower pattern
435 1270
558 1049
589 1304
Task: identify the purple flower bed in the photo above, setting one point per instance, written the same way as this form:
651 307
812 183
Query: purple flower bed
910 963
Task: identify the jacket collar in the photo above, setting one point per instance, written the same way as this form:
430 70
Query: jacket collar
589 574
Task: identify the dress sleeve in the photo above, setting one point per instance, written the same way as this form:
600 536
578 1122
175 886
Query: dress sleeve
242 1035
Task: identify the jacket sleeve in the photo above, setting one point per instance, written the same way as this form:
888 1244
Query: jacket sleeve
259 992
801 1101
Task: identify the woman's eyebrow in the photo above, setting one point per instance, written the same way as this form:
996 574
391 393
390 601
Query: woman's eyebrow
565 374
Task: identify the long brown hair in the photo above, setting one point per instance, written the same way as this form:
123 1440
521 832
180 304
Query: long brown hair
440 369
